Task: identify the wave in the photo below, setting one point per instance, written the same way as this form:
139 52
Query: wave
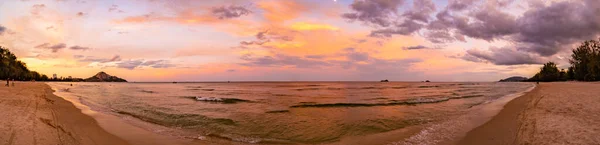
278 111
391 103
217 100
175 120
428 86
146 91
307 89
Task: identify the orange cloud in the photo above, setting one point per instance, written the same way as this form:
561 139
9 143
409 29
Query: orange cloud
279 11
304 26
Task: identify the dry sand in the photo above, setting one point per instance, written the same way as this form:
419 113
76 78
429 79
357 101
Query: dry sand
32 115
552 113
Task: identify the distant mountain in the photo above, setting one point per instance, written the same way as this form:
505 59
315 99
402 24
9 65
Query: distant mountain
103 77
514 79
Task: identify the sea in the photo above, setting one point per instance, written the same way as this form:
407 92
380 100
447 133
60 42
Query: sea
301 112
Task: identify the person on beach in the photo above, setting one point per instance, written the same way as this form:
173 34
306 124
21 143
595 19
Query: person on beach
13 82
7 82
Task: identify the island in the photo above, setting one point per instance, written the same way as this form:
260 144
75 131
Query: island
514 79
104 77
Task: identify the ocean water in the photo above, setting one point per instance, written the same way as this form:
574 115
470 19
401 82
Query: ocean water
297 112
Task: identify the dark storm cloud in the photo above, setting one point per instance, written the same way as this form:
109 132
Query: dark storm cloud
374 12
540 32
405 28
230 12
490 24
502 56
413 20
78 48
422 9
55 48
459 5
547 30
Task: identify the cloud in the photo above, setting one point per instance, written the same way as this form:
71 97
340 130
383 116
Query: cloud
267 36
384 15
375 12
78 48
129 64
282 60
55 48
115 8
81 14
490 23
459 5
422 9
36 9
542 30
315 56
304 26
2 29
415 47
503 56
132 64
230 12
405 28
353 60
548 30
279 11
82 58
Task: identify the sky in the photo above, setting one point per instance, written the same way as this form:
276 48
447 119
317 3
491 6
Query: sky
296 40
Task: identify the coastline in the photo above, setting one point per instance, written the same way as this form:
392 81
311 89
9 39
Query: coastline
131 129
34 115
518 121
552 113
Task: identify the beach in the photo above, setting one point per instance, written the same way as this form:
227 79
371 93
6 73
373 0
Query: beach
552 113
32 115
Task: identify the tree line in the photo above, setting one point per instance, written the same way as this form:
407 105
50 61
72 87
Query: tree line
11 68
585 65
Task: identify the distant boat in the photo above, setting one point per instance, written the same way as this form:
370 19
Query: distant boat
174 82
385 81
427 81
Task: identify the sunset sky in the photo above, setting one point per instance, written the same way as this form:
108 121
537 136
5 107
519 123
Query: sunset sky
296 40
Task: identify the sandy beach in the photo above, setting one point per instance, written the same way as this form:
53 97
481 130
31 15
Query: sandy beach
33 115
552 113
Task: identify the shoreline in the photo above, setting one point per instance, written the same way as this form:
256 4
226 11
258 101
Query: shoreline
86 126
131 129
552 113
34 115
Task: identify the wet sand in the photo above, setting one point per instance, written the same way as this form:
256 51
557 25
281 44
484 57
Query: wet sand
32 115
552 113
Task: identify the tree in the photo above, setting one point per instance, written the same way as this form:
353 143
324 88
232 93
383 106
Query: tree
12 68
585 61
549 72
